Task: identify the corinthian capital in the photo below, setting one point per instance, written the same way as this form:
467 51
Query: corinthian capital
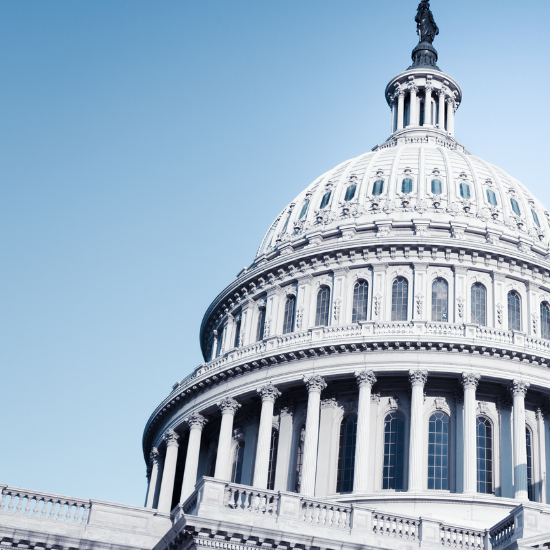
418 377
519 387
315 383
154 455
171 438
229 405
269 393
470 380
365 378
195 421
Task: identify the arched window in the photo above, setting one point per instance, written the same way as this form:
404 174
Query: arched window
299 459
437 188
440 300
237 333
407 185
529 443
515 206
346 455
514 311
399 299
438 452
360 297
491 197
288 320
378 187
304 209
545 320
535 218
326 198
323 306
464 190
237 470
350 192
272 459
261 325
484 434
394 451
479 304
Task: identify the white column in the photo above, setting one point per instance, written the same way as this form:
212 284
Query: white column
154 479
228 407
196 423
268 394
469 383
541 432
413 109
214 345
169 472
451 116
428 105
327 419
519 390
417 379
393 115
273 321
401 110
315 385
339 314
441 121
285 445
365 380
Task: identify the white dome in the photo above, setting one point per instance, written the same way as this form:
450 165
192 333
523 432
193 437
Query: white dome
457 204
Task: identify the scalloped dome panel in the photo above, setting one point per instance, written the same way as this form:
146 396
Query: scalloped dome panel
467 185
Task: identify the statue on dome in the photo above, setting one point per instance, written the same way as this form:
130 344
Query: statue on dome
426 28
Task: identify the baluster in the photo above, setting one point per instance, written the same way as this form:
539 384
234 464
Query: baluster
275 505
20 503
12 502
309 513
3 502
86 513
34 510
28 506
247 505
56 511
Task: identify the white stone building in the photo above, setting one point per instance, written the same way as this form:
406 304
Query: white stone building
377 377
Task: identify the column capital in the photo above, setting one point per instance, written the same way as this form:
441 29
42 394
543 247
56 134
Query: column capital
171 438
154 455
519 387
196 421
470 380
229 405
365 378
315 383
287 408
269 393
418 377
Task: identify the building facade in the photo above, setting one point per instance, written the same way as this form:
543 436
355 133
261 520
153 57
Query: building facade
378 376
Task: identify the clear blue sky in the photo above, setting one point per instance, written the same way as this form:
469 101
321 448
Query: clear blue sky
145 147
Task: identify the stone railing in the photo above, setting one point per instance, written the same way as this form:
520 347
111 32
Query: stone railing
503 532
390 525
462 537
327 514
44 505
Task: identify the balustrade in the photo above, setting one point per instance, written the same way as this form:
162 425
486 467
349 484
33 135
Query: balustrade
327 514
393 328
502 532
247 499
460 537
390 525
495 335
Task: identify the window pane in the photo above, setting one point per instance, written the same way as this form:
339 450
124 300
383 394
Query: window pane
394 451
326 198
535 218
378 187
545 320
436 187
479 304
323 306
261 326
464 190
484 456
515 206
350 192
407 185
440 296
360 296
400 299
438 454
529 464
304 209
514 311
272 459
288 321
491 197
346 455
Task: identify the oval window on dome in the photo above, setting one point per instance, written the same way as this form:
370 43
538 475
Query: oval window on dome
378 187
491 197
535 218
407 185
350 192
464 190
304 209
515 206
436 187
326 198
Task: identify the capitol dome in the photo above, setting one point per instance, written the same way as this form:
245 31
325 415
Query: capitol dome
379 372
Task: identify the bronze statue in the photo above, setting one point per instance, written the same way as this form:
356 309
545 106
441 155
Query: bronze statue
426 28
